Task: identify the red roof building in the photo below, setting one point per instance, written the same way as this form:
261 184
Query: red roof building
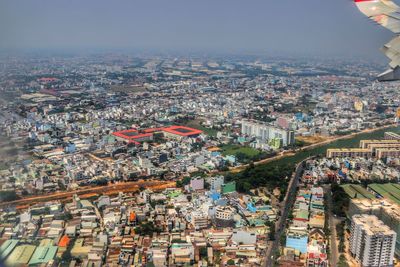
135 136
64 241
182 131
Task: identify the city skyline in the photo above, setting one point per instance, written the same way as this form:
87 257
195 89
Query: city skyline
309 28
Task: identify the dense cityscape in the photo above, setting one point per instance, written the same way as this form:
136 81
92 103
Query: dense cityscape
199 133
127 160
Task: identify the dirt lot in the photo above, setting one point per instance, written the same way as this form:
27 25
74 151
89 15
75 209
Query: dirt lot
312 139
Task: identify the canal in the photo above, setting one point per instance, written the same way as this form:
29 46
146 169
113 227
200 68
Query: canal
343 143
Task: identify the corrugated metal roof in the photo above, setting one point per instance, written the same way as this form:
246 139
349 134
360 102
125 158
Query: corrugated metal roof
20 255
43 254
7 247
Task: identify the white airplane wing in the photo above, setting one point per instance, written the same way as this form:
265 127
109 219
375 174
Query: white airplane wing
387 14
383 12
392 51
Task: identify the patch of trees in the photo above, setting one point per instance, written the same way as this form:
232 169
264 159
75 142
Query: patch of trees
156 202
340 234
342 261
299 143
340 200
8 196
271 227
197 146
267 175
230 262
100 182
183 182
245 158
203 252
147 228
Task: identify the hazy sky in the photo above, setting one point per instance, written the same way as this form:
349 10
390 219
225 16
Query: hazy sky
313 27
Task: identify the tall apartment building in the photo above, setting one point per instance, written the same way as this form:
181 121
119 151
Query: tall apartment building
216 183
266 132
224 216
372 243
386 211
199 220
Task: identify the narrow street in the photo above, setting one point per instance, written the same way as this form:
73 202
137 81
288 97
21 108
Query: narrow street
280 224
333 221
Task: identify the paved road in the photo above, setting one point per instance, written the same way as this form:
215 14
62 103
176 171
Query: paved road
280 225
334 249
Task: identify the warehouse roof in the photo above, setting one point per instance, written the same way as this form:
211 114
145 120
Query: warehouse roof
43 254
7 247
20 255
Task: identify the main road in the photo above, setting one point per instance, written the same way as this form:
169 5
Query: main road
280 224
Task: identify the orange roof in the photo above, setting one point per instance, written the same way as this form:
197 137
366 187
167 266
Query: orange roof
132 217
182 130
152 130
214 148
64 241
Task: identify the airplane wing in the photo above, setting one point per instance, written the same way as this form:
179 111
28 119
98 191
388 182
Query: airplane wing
383 12
392 51
387 14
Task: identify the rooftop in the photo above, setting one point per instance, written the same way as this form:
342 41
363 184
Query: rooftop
372 225
43 254
182 130
20 255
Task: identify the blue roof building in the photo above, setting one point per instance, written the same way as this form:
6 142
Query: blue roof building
297 242
215 196
251 208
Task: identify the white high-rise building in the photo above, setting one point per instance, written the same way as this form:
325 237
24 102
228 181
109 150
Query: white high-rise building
266 132
372 243
216 182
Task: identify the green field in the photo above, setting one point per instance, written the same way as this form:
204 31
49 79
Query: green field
196 124
390 191
357 191
235 149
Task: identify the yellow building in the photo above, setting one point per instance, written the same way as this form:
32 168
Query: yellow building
20 255
358 106
80 249
365 143
348 152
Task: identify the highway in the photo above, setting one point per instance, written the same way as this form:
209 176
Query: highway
280 225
